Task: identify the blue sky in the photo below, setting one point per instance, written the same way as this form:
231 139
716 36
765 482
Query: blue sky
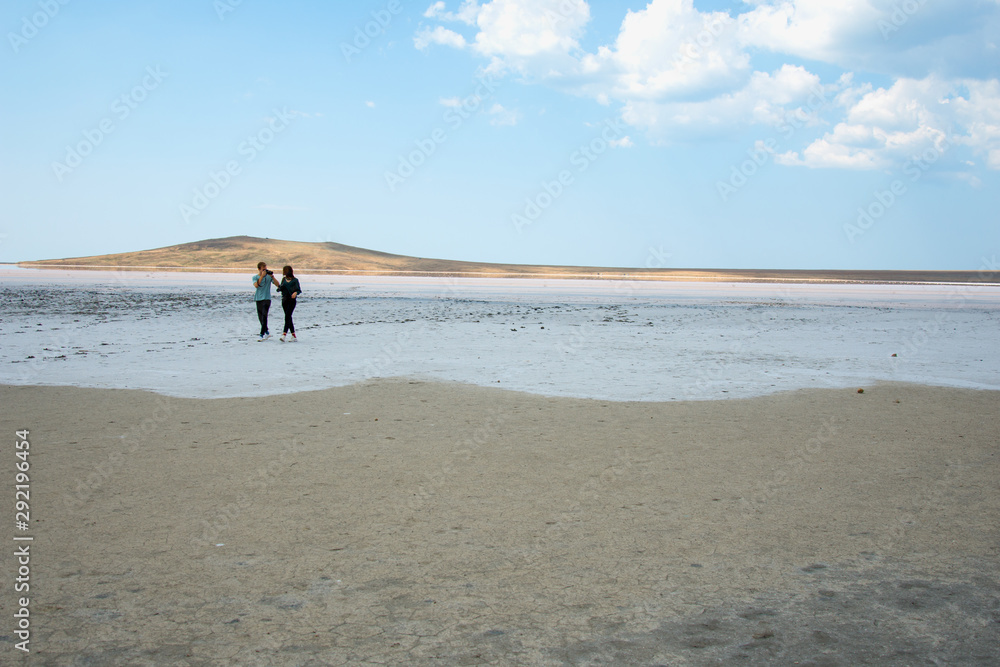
761 134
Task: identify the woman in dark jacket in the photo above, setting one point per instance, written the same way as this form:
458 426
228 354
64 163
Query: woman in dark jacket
290 291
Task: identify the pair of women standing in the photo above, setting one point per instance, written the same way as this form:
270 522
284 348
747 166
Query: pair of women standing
290 290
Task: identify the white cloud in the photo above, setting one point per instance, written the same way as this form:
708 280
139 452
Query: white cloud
770 99
370 104
993 158
676 71
908 104
438 35
624 142
829 153
668 49
520 29
667 52
501 116
910 119
814 29
888 36
978 111
435 11
467 13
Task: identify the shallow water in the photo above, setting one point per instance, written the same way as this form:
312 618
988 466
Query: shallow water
194 334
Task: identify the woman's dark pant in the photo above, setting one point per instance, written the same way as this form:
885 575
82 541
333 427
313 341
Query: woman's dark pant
288 305
263 306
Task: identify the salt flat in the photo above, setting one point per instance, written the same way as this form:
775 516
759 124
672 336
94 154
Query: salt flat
194 335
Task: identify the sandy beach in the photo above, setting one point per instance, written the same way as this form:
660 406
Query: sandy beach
407 522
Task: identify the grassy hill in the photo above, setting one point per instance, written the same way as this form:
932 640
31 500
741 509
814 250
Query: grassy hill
241 253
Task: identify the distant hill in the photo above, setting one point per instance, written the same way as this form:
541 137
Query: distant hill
241 253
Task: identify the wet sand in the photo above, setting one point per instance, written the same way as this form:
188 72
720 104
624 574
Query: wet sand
406 522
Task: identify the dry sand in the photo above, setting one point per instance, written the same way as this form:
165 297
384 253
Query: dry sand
411 523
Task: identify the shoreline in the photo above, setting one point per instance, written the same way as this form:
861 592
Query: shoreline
459 384
765 276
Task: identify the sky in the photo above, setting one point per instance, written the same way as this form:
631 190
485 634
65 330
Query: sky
797 134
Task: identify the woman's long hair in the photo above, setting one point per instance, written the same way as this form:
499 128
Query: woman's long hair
287 272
